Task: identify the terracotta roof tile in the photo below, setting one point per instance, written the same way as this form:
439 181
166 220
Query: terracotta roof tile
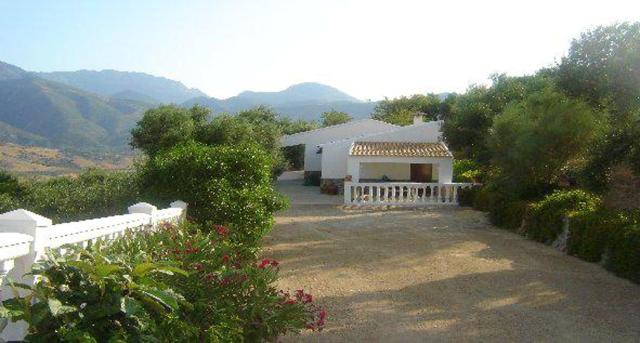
399 149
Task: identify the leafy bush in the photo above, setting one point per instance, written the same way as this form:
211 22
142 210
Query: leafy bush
86 296
544 222
94 193
623 253
591 232
221 184
231 295
7 203
466 171
548 125
175 284
466 196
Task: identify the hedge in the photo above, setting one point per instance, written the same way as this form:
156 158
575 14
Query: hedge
544 220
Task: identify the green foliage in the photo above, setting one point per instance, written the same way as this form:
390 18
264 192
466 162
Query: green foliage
289 126
400 111
94 193
334 117
545 219
619 145
87 296
623 253
610 235
466 171
546 124
603 67
166 126
590 233
231 296
221 184
467 127
9 184
294 155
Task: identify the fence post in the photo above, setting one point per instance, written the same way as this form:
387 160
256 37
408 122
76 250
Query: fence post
36 226
144 208
181 205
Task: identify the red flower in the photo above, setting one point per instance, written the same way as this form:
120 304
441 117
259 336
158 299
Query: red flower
221 230
290 301
264 263
307 298
274 263
225 259
198 266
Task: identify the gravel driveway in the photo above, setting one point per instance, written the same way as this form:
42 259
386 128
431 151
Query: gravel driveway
441 274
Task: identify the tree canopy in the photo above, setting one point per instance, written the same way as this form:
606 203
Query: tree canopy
334 117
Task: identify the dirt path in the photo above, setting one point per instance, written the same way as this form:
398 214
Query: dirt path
441 274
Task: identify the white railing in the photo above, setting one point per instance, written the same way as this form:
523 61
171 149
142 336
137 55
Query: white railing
25 236
402 193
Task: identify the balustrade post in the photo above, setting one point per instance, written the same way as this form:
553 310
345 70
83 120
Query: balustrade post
145 208
181 205
36 226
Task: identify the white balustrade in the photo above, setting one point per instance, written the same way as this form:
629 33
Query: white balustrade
402 193
25 236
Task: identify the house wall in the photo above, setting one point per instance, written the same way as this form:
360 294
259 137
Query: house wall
394 171
333 161
311 139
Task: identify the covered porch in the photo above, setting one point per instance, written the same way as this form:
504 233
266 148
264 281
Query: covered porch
400 173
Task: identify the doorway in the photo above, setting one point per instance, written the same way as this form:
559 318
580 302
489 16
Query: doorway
421 172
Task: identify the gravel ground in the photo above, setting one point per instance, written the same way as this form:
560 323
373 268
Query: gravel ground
440 274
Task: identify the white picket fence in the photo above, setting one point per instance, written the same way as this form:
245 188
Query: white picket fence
402 193
25 236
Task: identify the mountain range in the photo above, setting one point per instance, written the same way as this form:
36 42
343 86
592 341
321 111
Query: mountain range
95 110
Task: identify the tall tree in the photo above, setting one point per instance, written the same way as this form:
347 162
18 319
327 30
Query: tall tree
400 111
603 67
532 141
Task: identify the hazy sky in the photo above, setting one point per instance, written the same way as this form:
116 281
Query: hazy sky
369 49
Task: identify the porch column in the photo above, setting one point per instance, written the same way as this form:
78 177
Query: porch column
445 170
353 169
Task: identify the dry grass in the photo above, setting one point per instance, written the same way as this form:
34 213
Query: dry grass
45 161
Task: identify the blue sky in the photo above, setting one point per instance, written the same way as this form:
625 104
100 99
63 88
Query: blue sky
369 49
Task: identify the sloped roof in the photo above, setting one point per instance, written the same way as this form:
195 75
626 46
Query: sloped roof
399 149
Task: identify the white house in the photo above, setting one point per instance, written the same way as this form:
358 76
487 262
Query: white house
381 162
314 138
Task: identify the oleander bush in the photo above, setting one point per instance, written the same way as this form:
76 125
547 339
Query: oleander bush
232 295
222 184
183 283
91 296
544 220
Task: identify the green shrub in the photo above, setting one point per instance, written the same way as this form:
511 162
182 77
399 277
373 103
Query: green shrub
466 196
232 296
590 233
623 252
221 184
87 296
94 193
466 171
7 203
544 221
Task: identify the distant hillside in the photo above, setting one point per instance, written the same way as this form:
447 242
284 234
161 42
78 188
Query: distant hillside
111 82
35 111
303 101
40 161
